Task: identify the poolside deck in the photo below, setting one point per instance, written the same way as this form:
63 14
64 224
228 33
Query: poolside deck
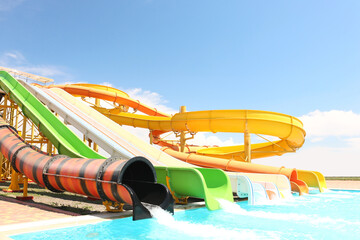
15 211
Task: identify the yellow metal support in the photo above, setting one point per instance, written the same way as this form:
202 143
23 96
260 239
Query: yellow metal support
113 206
2 170
49 147
178 200
96 147
16 124
247 144
14 185
182 133
12 114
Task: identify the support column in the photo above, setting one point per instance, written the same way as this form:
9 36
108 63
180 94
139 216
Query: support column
247 145
25 196
2 171
95 146
182 133
49 147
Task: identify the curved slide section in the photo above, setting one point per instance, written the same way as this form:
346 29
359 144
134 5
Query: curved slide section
126 181
238 166
98 91
183 179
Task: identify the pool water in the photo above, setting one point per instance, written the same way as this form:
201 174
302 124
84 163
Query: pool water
330 215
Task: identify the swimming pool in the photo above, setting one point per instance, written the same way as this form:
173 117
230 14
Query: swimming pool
330 215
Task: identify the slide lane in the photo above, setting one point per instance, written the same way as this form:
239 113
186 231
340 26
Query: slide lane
209 184
59 135
126 181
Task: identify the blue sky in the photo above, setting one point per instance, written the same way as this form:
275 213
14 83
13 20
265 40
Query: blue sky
295 57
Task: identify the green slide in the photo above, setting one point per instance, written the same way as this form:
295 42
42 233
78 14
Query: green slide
49 125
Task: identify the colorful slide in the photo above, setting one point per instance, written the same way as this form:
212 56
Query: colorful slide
287 128
126 181
146 149
77 110
183 179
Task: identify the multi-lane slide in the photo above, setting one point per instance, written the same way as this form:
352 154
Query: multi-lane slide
183 179
287 128
126 181
77 110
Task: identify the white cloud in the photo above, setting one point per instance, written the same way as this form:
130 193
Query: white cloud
330 161
331 123
354 142
341 159
7 5
107 84
16 60
208 139
152 99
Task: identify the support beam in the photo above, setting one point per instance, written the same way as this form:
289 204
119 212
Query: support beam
247 145
182 133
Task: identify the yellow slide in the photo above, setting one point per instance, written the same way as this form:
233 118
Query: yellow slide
287 128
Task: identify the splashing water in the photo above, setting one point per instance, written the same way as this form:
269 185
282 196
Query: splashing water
234 208
206 231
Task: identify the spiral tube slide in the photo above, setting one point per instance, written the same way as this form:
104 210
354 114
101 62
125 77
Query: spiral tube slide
126 181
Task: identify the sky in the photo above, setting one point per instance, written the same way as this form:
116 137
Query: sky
294 57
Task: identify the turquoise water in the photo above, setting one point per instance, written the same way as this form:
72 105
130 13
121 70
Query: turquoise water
330 215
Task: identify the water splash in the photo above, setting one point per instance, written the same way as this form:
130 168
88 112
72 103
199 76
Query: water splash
207 231
312 219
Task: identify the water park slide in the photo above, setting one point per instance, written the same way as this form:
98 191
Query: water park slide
287 128
284 126
69 101
109 179
142 148
132 181
209 184
275 185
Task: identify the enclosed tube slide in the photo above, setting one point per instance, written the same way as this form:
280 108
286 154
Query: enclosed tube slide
126 181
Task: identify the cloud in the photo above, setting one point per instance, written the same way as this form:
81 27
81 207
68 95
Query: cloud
334 146
330 161
331 123
152 99
16 60
7 5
